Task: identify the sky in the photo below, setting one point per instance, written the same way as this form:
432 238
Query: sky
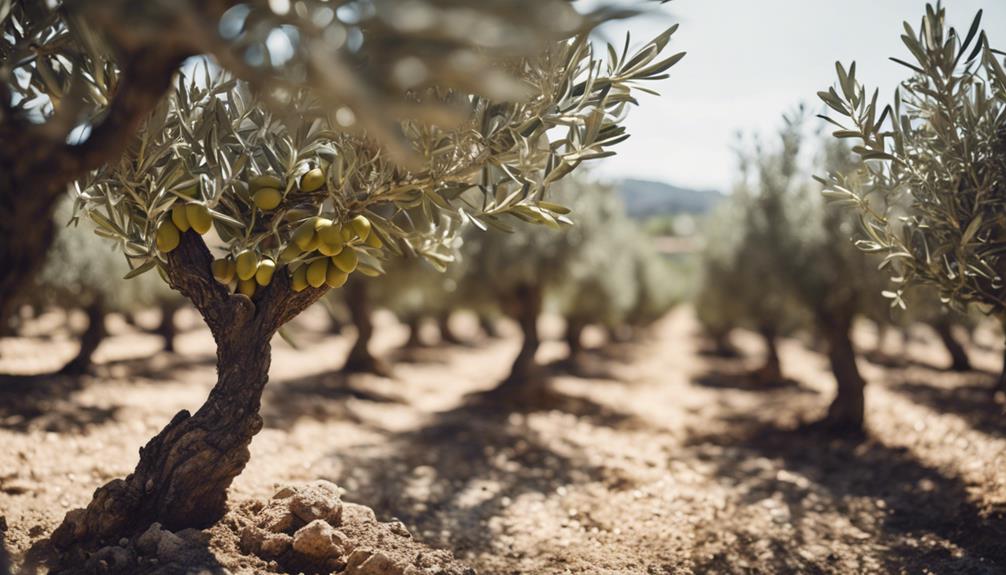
748 62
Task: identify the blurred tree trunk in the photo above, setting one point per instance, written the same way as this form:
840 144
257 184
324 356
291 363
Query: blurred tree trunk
574 339
360 360
89 340
336 320
415 326
447 334
26 227
526 307
130 318
488 327
771 371
958 356
1001 382
167 328
722 346
36 167
846 412
883 331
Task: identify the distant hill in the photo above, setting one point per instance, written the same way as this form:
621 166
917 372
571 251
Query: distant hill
644 198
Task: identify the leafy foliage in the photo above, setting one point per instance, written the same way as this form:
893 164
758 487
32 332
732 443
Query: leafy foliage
214 145
931 199
779 241
81 266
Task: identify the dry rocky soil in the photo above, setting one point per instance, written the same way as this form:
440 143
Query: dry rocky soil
665 461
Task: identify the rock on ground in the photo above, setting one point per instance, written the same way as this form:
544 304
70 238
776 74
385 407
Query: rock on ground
302 528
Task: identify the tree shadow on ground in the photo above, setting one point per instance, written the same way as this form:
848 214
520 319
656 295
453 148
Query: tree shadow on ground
195 557
624 352
419 355
745 380
974 402
45 402
589 365
895 503
158 366
894 361
478 457
323 397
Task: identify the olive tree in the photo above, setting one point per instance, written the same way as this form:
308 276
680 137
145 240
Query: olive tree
835 283
931 198
795 249
749 242
416 290
599 287
78 78
254 211
616 278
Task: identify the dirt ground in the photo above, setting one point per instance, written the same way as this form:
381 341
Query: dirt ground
669 463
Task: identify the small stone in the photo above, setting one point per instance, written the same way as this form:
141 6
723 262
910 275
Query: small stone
111 560
319 540
277 517
147 542
72 529
264 544
359 513
399 528
194 536
169 546
275 544
284 493
317 500
366 562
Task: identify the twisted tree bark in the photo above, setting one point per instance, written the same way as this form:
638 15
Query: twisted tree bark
185 470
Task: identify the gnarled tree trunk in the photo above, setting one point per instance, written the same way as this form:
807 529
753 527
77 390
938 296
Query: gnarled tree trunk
846 412
360 360
184 472
89 340
182 478
526 307
958 356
